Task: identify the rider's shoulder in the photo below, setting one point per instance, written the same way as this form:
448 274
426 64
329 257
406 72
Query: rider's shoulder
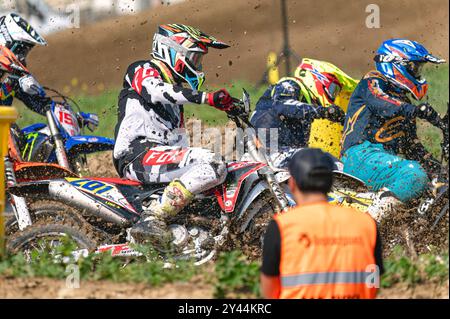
137 65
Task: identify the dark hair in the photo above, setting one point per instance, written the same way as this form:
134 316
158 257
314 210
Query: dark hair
312 170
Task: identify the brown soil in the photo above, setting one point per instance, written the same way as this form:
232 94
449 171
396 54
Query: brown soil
101 165
97 55
51 288
423 291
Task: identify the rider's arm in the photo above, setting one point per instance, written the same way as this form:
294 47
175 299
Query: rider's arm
148 83
381 103
30 92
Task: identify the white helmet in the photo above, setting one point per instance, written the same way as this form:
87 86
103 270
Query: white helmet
18 35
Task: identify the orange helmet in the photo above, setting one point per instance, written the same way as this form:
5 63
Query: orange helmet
9 64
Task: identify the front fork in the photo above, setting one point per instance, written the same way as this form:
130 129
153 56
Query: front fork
60 150
18 204
281 201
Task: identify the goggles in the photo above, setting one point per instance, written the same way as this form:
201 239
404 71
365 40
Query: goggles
415 68
333 90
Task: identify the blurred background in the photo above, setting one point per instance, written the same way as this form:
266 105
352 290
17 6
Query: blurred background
89 62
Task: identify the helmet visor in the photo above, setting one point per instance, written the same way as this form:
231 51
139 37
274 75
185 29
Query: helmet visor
415 68
333 90
195 59
21 50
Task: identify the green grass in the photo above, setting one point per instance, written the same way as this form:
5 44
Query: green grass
98 267
437 77
234 276
400 268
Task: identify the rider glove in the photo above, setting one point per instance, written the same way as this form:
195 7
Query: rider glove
333 113
426 112
29 85
221 100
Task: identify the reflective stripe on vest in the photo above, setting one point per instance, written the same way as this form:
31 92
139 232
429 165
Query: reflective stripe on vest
339 277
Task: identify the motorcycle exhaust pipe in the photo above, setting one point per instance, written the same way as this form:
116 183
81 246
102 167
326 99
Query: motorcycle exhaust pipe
66 193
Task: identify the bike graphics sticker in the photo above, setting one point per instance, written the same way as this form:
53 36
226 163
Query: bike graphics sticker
67 120
106 191
237 172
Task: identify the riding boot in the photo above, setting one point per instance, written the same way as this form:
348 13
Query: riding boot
384 204
152 226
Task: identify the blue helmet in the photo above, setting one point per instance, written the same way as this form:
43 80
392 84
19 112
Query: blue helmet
401 62
287 88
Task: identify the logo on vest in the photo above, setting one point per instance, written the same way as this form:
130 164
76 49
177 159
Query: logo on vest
306 240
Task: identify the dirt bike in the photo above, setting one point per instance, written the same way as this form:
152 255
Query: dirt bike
418 225
97 213
62 140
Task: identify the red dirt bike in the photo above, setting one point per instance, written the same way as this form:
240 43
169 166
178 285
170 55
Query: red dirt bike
98 212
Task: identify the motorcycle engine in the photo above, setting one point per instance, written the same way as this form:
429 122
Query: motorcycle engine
198 236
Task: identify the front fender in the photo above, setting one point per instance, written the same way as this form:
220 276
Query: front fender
86 144
256 191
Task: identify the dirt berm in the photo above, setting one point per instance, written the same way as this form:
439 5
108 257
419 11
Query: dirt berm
97 55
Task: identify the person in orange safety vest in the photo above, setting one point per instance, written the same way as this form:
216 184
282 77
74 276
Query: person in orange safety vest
319 250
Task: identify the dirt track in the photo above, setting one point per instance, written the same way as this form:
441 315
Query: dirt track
51 288
335 30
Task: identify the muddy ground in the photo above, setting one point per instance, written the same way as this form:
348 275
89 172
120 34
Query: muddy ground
56 289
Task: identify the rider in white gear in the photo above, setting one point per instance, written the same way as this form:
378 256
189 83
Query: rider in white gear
150 142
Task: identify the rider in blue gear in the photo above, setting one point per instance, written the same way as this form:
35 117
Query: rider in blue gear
380 143
281 108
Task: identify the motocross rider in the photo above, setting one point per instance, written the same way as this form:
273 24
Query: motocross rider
292 104
380 144
150 145
20 37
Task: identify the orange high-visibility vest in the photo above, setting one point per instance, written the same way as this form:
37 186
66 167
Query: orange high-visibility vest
327 252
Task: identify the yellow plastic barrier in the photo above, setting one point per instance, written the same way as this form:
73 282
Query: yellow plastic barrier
7 116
